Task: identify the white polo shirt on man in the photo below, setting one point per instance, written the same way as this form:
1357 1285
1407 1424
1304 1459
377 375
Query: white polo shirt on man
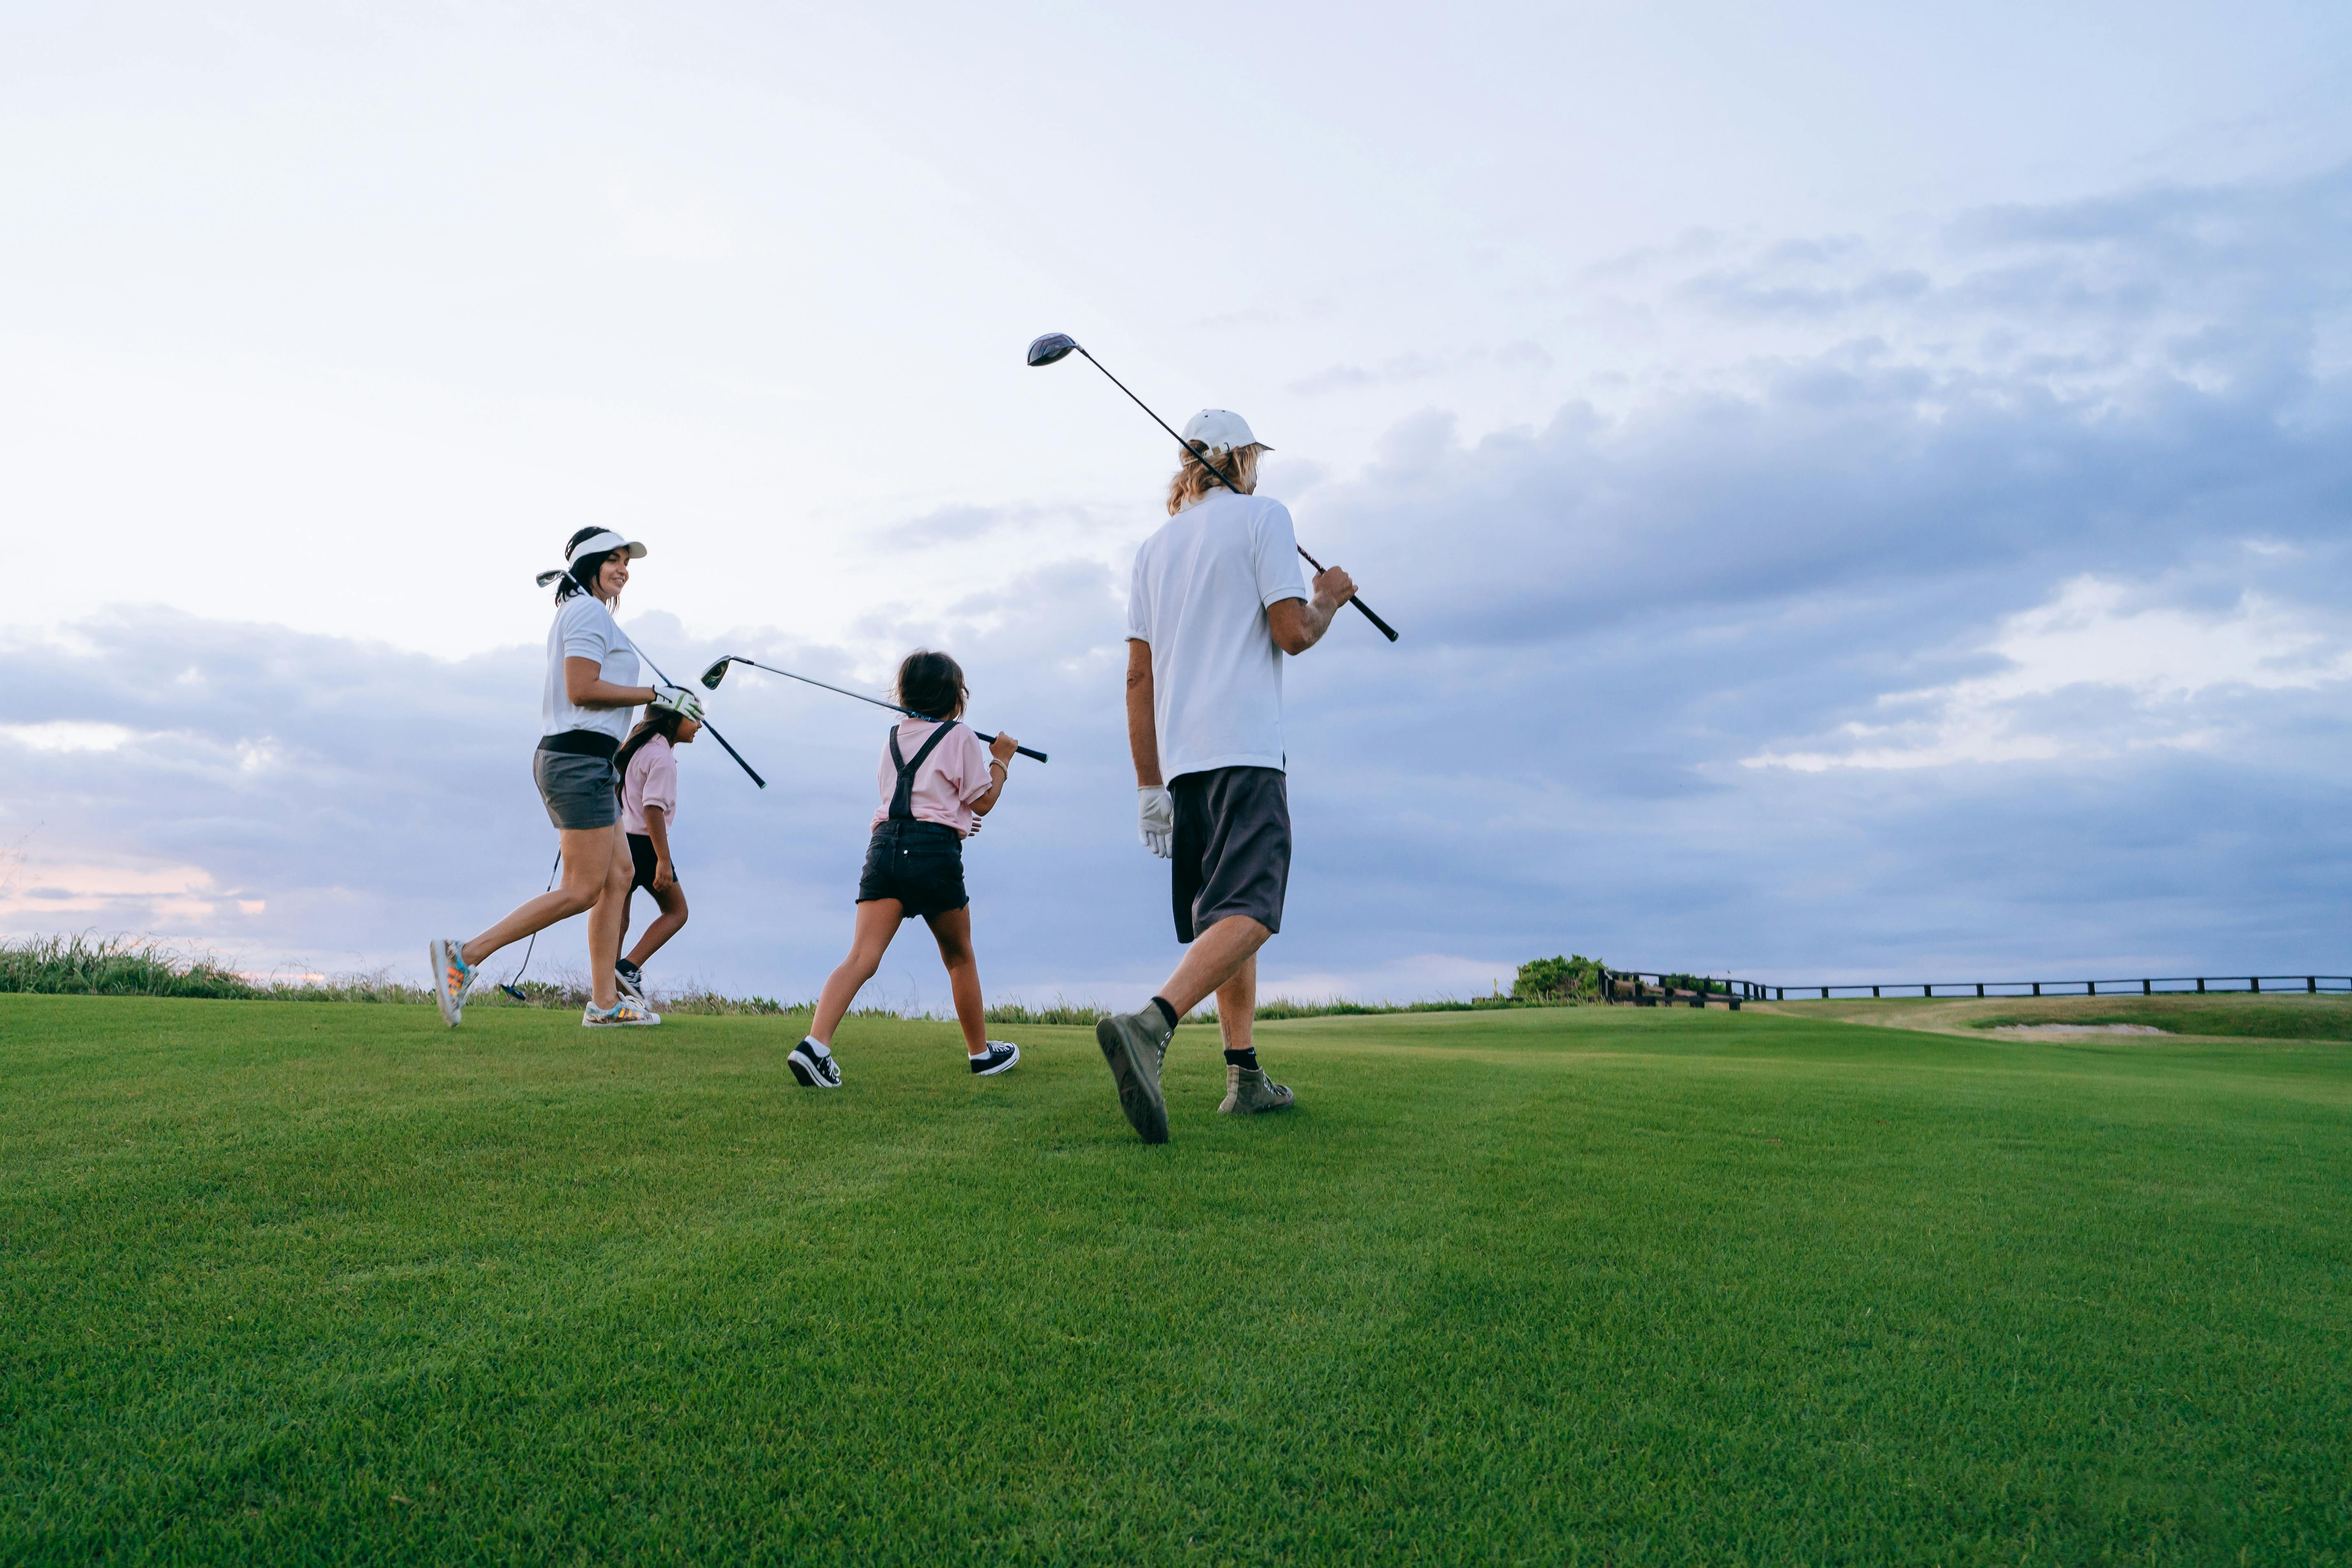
1200 591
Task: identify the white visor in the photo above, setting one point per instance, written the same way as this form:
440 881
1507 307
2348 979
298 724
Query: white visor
597 543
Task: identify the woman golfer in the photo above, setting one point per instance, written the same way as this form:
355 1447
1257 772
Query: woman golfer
648 768
936 780
591 672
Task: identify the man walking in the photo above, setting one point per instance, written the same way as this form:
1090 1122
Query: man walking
1216 602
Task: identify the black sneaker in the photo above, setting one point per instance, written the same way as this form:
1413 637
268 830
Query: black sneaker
630 979
813 1066
999 1054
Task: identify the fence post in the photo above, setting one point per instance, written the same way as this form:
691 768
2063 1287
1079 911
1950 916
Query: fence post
2201 986
1979 987
2145 989
2311 983
1825 993
2094 986
2037 988
1874 993
2254 983
1926 991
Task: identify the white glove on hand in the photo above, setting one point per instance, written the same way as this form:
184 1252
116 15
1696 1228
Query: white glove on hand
678 699
1156 817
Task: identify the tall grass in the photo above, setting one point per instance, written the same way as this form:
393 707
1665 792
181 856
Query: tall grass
86 965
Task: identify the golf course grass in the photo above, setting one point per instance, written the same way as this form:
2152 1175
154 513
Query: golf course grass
331 1283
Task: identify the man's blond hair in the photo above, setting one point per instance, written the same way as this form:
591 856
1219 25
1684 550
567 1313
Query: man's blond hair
1193 481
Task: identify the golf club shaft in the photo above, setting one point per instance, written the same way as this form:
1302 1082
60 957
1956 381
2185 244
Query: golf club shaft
706 723
1387 630
877 702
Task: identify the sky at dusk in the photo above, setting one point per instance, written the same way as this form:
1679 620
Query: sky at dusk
1865 495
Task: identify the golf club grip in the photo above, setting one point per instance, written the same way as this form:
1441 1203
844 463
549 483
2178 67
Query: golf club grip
734 753
1387 630
1024 751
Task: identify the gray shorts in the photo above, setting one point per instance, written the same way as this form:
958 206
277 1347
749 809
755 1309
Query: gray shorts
580 791
1233 847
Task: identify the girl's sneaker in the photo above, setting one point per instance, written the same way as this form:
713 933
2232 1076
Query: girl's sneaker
451 975
631 980
622 1015
813 1066
999 1054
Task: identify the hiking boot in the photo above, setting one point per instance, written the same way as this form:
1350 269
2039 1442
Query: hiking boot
1134 1044
999 1054
1248 1092
451 976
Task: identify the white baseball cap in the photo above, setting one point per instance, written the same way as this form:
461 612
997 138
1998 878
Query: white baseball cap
1221 429
597 543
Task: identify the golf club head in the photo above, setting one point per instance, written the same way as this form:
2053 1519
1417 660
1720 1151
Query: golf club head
717 673
1052 348
547 577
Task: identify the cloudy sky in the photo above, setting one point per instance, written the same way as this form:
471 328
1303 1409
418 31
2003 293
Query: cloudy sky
1866 495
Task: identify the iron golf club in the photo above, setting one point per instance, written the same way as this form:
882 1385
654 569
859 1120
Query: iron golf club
718 672
1054 347
547 577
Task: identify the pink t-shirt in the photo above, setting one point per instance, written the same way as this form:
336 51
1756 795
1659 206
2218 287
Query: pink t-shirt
953 776
652 781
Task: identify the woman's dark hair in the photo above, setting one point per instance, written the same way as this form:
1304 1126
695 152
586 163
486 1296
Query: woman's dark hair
581 578
931 684
662 722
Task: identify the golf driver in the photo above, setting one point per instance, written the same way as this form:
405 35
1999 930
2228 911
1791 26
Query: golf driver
1054 347
718 672
547 577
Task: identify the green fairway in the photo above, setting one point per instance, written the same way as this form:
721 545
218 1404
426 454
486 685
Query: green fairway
331 1283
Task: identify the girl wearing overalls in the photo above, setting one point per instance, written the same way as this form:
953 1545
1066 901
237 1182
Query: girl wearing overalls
936 780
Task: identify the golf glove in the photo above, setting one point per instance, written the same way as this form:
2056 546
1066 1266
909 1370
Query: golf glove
678 699
1157 819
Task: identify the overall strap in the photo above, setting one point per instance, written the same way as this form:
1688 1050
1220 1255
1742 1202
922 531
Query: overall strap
902 799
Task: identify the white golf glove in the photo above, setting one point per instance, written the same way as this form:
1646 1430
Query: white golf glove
678 699
1156 817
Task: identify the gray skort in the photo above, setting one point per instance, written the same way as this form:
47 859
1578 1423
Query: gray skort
1233 847
580 791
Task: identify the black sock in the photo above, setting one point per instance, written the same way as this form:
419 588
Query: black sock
1245 1059
1165 1010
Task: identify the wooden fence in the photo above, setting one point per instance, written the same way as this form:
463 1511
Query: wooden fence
1652 988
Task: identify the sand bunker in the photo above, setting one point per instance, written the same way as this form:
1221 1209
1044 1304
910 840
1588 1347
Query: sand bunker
2076 1029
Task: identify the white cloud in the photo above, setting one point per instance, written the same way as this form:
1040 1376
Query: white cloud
65 735
2160 661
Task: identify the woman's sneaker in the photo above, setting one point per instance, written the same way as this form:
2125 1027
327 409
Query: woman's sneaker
999 1054
622 1015
631 981
813 1065
1248 1092
451 975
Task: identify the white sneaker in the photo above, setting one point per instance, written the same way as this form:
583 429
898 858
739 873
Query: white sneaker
622 1015
451 976
813 1065
999 1054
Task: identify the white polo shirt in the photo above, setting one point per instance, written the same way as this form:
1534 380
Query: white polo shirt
1199 596
585 628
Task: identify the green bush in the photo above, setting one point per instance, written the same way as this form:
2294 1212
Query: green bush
1570 979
